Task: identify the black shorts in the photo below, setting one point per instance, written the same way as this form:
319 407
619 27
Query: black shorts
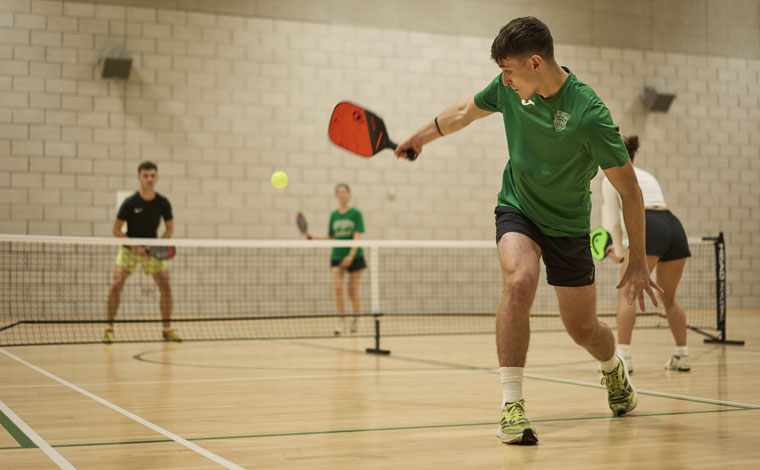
357 265
568 260
666 237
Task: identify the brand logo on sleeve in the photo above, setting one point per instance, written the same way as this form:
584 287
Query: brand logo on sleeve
560 120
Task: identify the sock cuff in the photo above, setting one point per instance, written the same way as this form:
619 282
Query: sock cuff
609 366
507 372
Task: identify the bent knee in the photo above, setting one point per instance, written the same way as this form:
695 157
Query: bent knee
520 289
117 286
581 334
668 301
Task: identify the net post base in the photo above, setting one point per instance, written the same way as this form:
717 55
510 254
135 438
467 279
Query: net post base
376 349
737 342
383 352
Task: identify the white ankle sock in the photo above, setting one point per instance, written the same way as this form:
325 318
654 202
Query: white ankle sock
609 366
624 350
681 351
511 384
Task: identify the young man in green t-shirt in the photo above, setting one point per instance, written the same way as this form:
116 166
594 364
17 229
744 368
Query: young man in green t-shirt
558 133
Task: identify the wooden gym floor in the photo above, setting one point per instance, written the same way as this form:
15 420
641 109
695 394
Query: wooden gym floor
325 404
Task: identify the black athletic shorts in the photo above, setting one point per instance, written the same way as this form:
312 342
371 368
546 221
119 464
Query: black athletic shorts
568 260
355 266
666 237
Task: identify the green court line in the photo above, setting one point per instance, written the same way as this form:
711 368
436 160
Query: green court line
17 434
453 365
392 428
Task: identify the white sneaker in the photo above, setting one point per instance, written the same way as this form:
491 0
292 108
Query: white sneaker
339 328
679 363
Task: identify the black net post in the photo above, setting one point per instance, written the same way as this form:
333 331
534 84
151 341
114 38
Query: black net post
720 293
376 349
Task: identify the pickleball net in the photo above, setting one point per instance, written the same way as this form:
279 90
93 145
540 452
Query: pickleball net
53 290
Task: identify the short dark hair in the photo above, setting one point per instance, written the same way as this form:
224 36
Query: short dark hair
632 145
522 37
146 166
342 185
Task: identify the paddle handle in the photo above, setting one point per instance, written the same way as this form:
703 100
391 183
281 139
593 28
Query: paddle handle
410 154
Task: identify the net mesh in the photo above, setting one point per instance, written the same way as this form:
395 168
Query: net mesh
54 290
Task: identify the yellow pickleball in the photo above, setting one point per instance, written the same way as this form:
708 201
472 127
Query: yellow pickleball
279 179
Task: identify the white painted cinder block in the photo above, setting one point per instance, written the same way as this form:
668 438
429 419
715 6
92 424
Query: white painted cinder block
220 101
76 229
13 227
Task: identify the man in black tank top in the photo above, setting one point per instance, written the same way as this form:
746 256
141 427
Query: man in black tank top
142 213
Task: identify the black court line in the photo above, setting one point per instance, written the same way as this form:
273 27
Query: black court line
487 370
395 428
143 357
453 365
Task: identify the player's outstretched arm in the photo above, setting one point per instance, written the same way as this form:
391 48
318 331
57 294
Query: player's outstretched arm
450 120
636 278
311 236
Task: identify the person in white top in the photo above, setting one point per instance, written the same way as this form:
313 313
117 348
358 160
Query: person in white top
667 248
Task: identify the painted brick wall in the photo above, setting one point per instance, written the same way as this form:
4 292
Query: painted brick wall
220 102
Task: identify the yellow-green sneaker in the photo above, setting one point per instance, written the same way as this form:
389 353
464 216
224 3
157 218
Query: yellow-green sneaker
621 395
170 335
108 336
514 427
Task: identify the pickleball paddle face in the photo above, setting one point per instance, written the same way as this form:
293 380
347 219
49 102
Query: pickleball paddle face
360 131
162 252
303 226
600 239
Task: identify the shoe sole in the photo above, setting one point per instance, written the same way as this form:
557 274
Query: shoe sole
528 437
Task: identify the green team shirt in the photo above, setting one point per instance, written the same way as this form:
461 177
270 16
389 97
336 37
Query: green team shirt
556 147
342 227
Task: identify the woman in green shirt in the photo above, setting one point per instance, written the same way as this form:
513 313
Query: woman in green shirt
346 223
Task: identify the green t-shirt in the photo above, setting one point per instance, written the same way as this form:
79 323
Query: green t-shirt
556 147
342 227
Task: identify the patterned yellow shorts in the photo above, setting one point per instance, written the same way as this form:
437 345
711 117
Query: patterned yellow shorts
127 259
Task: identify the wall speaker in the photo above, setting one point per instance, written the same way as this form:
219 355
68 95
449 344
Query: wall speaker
116 67
657 101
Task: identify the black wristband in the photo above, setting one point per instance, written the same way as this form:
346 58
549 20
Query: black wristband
621 260
437 126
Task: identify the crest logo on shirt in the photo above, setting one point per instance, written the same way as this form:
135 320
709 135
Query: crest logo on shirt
560 120
343 228
528 103
138 210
